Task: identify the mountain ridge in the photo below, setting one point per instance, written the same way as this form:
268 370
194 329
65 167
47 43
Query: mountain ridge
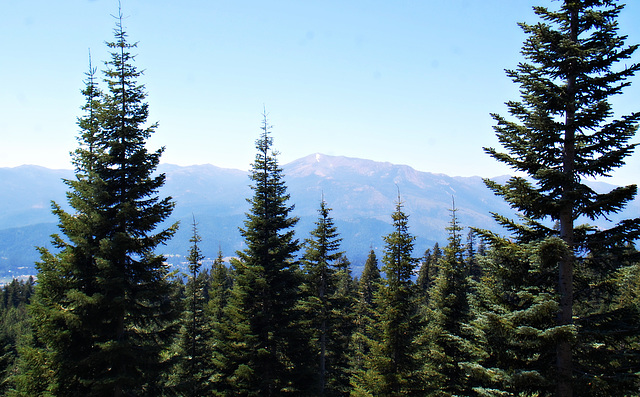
361 192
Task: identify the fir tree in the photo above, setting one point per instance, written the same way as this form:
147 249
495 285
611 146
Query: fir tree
14 326
367 288
565 132
262 306
424 279
103 311
195 368
369 279
428 270
344 300
449 312
471 256
219 292
392 367
221 281
65 280
320 288
516 319
608 346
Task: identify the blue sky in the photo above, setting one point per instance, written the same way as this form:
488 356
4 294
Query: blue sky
408 82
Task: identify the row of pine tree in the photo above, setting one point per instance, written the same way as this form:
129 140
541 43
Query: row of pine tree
551 309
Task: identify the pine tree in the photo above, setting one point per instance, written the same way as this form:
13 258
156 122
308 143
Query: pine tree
392 368
471 256
14 326
195 368
221 281
66 280
608 346
565 132
424 273
367 288
344 300
319 260
262 306
449 313
516 318
369 279
428 270
103 311
219 289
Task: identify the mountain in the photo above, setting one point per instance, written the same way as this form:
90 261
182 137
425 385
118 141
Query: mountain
362 194
27 192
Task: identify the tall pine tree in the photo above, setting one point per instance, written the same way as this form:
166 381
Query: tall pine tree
268 348
565 131
392 368
103 310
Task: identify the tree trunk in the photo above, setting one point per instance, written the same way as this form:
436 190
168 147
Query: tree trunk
323 331
565 265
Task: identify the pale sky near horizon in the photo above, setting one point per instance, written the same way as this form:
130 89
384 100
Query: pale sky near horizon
405 81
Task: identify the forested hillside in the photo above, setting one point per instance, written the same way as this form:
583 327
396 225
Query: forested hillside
548 304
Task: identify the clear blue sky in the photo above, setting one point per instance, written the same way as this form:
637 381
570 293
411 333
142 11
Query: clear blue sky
408 82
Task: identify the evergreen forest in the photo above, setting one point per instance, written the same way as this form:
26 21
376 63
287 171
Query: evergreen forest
550 309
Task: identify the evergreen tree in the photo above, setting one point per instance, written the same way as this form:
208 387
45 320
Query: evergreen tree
344 300
369 279
195 368
103 312
516 318
449 338
14 326
428 270
262 306
221 281
66 280
320 288
471 256
608 346
367 288
392 368
219 292
424 273
565 132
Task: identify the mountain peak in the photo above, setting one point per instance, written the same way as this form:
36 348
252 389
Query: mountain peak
324 165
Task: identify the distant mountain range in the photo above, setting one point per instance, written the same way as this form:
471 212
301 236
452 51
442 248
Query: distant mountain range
362 194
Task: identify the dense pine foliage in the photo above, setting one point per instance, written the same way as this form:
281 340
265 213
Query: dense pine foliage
563 132
553 308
